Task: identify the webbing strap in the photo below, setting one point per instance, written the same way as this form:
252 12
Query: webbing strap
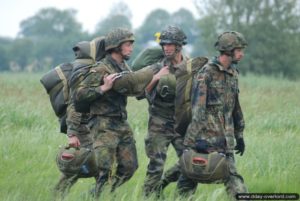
65 83
189 81
93 49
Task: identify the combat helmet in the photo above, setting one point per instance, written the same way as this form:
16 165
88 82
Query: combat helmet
172 35
76 161
230 40
204 168
116 37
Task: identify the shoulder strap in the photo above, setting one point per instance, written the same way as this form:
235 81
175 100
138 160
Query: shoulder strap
189 81
64 81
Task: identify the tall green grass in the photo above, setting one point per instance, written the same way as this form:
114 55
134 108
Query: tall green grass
29 141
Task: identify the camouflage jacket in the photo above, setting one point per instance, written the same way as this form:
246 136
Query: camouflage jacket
161 98
76 121
216 113
111 103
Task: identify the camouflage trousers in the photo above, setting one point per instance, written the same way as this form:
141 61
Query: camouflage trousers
65 182
63 186
114 145
235 183
160 135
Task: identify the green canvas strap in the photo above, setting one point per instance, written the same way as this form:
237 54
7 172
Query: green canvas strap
64 82
189 81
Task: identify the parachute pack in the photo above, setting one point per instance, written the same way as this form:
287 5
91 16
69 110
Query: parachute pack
57 80
204 168
77 161
56 84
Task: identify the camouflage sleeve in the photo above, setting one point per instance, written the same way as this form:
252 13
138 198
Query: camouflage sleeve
133 83
198 123
88 89
238 119
73 120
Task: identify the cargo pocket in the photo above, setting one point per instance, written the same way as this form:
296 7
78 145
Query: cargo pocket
215 93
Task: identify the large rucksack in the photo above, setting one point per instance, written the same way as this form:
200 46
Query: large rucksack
57 80
56 84
147 57
183 104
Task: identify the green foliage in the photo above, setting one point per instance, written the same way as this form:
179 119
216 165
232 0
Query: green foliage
270 27
50 22
5 53
154 22
186 21
53 33
112 22
29 141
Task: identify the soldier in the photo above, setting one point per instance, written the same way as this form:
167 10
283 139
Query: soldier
77 123
160 94
217 119
112 135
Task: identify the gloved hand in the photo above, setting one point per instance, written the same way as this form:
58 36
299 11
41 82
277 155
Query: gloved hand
240 146
202 146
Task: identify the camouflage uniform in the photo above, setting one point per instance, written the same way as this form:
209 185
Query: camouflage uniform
77 123
112 135
161 123
216 118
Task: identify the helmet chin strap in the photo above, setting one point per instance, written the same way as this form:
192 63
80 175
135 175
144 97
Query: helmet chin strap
126 57
171 57
231 56
119 50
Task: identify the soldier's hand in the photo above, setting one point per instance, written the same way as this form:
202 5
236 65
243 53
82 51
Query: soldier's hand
73 141
240 146
163 71
109 81
202 146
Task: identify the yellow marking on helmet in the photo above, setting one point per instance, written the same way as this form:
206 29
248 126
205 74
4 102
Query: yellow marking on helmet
157 36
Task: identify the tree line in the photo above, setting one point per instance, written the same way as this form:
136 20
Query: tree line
271 27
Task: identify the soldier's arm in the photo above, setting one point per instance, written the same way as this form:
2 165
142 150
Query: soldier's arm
73 123
94 86
73 120
163 71
133 83
197 127
238 119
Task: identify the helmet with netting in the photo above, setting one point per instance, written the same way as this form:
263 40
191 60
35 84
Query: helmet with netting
173 35
204 168
116 37
229 41
76 161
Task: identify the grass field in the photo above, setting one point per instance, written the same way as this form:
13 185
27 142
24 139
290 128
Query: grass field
29 141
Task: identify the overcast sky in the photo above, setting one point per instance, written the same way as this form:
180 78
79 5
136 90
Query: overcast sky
89 12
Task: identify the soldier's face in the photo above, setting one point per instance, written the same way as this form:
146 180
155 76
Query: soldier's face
126 49
169 49
238 54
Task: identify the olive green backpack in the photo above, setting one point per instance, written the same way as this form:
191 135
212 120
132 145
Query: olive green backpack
56 84
147 57
183 104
